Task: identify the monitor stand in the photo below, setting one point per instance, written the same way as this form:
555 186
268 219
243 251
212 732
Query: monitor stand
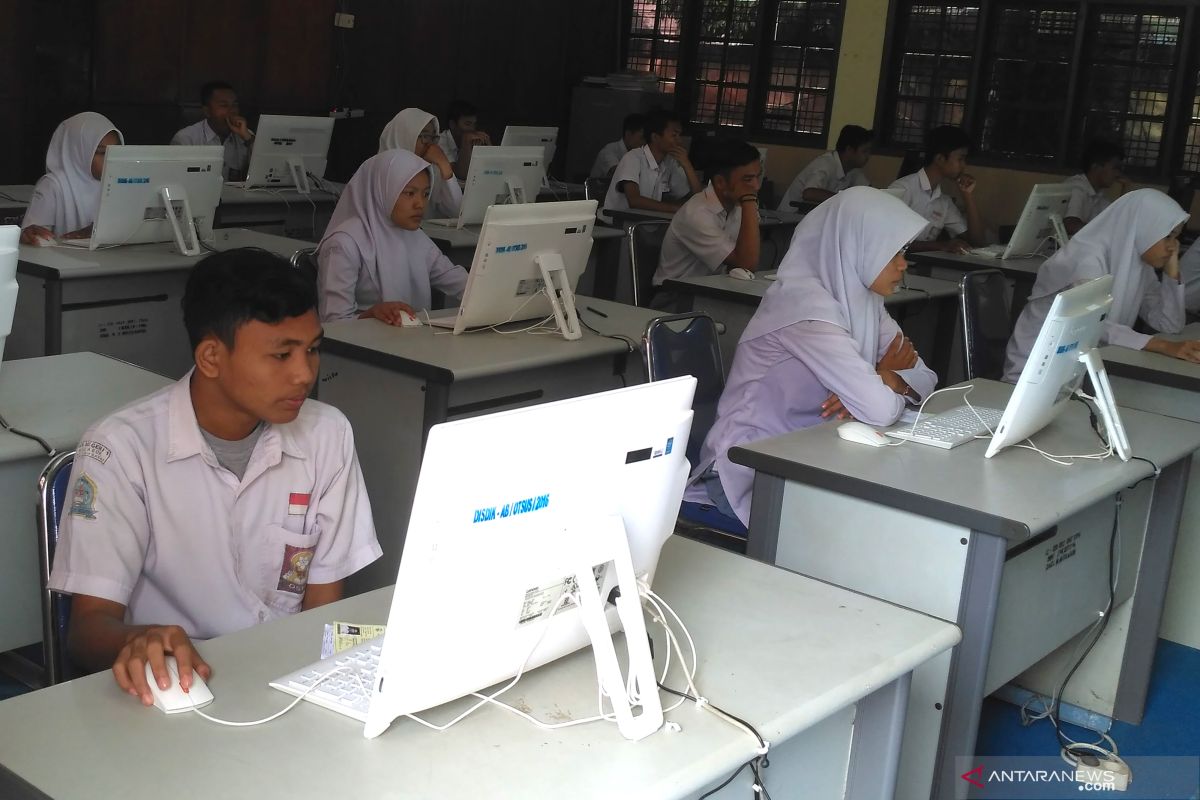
1106 403
516 190
185 228
562 299
299 174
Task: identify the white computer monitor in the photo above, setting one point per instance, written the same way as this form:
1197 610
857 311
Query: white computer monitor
10 239
510 508
157 193
1065 351
1040 221
527 264
287 150
531 136
498 176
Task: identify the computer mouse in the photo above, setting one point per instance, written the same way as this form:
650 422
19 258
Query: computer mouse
741 274
409 320
44 241
174 699
861 433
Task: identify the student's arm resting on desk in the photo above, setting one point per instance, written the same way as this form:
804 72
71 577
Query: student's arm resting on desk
446 276
976 233
1163 308
634 195
694 184
745 253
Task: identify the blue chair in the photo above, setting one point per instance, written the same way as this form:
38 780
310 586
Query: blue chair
53 485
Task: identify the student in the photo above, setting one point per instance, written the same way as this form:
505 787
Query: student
65 200
460 136
223 125
222 501
839 169
416 131
632 137
821 345
719 226
659 168
1131 240
375 261
1101 169
1189 268
946 150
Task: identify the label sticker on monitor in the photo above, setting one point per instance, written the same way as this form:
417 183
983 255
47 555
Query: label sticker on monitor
541 599
530 286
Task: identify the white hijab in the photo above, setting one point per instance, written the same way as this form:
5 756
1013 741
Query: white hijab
402 132
69 168
837 252
363 217
1112 244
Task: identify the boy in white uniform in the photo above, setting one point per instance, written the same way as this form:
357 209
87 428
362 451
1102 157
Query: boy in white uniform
830 173
632 137
221 501
946 149
1101 169
659 168
223 125
460 136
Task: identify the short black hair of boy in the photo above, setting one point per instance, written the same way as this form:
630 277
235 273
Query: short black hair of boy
944 140
459 109
853 137
207 90
228 289
657 122
730 154
634 122
1100 151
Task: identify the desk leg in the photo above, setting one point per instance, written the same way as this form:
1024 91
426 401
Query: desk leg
875 749
53 334
943 338
762 540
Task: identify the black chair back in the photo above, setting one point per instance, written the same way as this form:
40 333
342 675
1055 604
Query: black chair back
645 249
686 344
986 323
305 260
56 608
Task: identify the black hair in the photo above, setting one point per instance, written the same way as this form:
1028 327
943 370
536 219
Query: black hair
730 154
853 137
207 90
459 109
944 140
633 122
228 289
657 122
1100 151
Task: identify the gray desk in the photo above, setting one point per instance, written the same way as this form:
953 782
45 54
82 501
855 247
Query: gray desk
14 201
1021 271
279 211
56 398
775 227
122 301
1014 549
395 383
1165 385
927 311
819 671
558 191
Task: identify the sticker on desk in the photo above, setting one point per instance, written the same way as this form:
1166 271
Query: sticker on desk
541 599
341 636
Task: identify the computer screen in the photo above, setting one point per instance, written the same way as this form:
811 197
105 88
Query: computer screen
1035 225
157 193
509 508
498 176
527 264
10 236
531 136
287 150
1065 351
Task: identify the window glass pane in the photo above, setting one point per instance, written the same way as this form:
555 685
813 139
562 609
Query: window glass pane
936 55
803 45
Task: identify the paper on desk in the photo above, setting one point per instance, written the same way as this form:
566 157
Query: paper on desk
341 636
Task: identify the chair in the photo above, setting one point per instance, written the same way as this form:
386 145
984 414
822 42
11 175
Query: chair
56 608
986 323
305 260
645 248
913 160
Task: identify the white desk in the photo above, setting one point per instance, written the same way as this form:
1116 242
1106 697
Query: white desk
1022 272
14 201
395 383
1013 549
122 301
819 671
1165 385
56 398
279 211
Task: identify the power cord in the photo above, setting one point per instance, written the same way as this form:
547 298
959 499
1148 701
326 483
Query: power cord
50 451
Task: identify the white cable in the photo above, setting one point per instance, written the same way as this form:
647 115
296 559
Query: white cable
277 714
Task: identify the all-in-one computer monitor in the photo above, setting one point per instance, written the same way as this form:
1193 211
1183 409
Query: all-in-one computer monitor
287 150
498 176
1040 221
531 136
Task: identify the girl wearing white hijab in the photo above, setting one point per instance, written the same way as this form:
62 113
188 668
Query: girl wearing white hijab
417 131
66 198
375 261
821 344
1130 240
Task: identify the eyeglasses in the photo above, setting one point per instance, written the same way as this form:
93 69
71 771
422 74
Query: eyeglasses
426 137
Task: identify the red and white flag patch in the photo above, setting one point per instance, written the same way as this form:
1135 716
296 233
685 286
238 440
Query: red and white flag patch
297 504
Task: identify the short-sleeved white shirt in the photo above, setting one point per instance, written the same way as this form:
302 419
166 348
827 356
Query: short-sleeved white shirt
930 203
607 159
655 180
823 172
448 145
154 523
701 236
237 152
1086 201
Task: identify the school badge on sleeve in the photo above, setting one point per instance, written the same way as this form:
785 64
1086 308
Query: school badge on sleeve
83 498
293 575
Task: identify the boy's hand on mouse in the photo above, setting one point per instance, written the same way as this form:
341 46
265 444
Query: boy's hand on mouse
32 233
152 644
392 313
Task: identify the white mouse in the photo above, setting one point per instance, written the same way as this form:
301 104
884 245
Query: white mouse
409 320
44 241
175 699
741 274
861 433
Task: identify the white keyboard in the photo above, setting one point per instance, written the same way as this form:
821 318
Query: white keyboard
950 428
445 223
346 692
990 251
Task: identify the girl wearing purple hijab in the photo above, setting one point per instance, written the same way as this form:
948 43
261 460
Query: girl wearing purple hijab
821 344
375 261
66 198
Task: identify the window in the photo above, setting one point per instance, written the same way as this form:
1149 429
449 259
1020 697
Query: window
762 66
1191 142
935 69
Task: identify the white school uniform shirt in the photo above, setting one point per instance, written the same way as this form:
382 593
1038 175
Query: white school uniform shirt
67 197
237 152
154 523
1189 270
607 159
701 236
448 145
1086 200
654 180
932 204
823 172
